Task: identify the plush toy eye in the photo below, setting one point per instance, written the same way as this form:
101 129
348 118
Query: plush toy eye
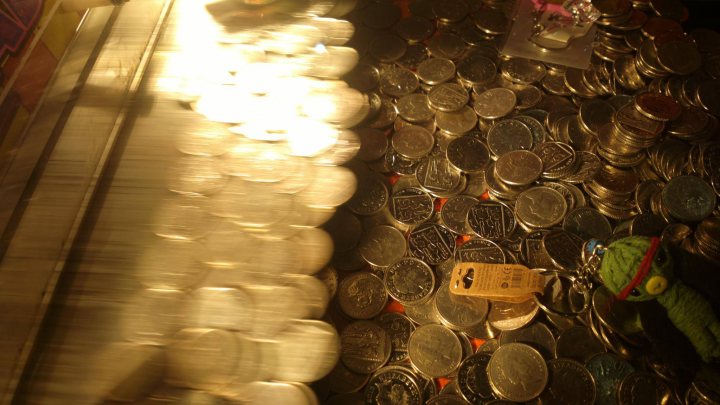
635 292
660 257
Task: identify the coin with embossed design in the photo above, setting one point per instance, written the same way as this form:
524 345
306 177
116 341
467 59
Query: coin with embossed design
454 213
517 372
382 245
510 316
365 347
399 328
468 154
540 207
362 295
480 251
569 383
393 385
518 167
608 370
447 97
437 176
473 379
434 71
495 103
491 220
643 388
410 281
563 248
434 350
413 142
411 206
432 243
459 312
558 158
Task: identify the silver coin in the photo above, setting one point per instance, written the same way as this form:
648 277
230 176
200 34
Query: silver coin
434 350
454 213
432 243
540 207
478 250
397 82
365 347
411 206
510 316
448 97
491 220
587 223
473 379
476 70
413 142
415 107
362 295
643 388
518 167
495 103
437 176
517 372
468 154
459 312
399 328
509 135
569 383
436 70
410 281
563 248
456 122
371 196
391 383
382 245
523 71
558 158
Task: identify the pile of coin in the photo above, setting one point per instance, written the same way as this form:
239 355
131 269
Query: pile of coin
469 155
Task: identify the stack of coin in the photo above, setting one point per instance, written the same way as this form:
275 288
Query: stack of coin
706 238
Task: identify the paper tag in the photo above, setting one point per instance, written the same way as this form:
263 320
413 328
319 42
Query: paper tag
500 282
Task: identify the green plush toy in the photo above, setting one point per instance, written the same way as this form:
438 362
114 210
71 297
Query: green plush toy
639 268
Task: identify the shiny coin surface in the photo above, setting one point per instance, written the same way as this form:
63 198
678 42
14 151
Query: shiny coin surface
371 196
480 251
454 213
448 97
382 245
434 350
517 372
473 380
456 122
459 311
510 316
523 71
362 295
415 108
468 154
411 206
495 103
507 136
410 281
608 370
558 159
518 168
540 207
432 243
436 70
437 176
491 220
569 383
397 82
399 328
365 347
391 383
413 142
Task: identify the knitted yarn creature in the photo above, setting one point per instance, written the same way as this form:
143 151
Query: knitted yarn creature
639 268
